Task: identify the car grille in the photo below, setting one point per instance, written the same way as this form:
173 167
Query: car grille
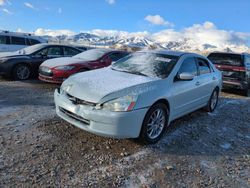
77 101
74 116
45 71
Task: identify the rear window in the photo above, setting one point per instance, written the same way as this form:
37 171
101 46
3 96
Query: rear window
226 59
33 42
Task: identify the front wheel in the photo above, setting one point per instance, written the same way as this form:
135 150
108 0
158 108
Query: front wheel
213 101
21 72
154 124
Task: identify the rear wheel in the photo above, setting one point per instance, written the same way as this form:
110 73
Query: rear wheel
21 72
213 101
154 124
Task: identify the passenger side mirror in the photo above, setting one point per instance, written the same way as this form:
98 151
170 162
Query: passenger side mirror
185 76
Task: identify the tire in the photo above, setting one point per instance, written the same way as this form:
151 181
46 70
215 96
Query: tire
151 123
21 72
213 101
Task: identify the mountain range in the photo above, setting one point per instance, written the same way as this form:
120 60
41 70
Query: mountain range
142 42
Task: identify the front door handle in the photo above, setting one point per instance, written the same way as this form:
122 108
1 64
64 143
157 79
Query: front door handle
197 83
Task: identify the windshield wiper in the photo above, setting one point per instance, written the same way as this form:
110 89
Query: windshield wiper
138 73
130 72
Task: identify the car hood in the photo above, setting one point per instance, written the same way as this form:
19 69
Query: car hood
93 86
61 62
11 55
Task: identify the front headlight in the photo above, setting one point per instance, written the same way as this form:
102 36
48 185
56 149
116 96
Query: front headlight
122 104
67 67
65 88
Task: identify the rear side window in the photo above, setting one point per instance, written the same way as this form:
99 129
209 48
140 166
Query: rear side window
4 39
33 42
18 41
203 65
70 51
226 59
189 66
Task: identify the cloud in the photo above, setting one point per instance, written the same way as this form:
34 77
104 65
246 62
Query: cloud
59 10
29 5
53 33
111 2
158 20
200 34
4 2
5 10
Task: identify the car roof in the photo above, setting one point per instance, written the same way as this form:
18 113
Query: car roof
229 53
169 52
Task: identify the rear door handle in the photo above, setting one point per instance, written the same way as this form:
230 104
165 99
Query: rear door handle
197 83
214 78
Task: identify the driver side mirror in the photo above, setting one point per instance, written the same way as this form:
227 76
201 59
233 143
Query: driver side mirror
185 76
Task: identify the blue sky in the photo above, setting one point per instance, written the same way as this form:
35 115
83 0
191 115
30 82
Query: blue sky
126 15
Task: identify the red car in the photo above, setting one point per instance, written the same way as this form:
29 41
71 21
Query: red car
59 69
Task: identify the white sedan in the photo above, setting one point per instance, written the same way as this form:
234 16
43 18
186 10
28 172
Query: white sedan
139 95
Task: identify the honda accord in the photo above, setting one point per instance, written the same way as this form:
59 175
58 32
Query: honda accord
140 94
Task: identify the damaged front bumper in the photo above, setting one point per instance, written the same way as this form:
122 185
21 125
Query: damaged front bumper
100 122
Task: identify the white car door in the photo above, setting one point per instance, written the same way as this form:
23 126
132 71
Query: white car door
185 95
206 80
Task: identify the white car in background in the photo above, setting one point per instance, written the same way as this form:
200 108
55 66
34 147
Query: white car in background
140 94
14 41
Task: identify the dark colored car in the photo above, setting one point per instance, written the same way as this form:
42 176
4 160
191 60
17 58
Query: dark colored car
57 70
23 64
235 69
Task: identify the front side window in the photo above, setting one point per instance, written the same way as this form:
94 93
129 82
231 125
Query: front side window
54 51
147 64
189 66
203 66
18 40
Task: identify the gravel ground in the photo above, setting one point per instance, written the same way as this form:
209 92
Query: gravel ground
37 149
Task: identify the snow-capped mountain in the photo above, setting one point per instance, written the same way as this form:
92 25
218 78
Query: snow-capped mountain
142 42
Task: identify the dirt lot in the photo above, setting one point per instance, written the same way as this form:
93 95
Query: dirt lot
39 149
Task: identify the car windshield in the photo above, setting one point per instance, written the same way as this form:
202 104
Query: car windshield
147 64
91 55
30 49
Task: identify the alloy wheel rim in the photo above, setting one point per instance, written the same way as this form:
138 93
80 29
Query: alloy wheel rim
23 72
156 123
214 100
